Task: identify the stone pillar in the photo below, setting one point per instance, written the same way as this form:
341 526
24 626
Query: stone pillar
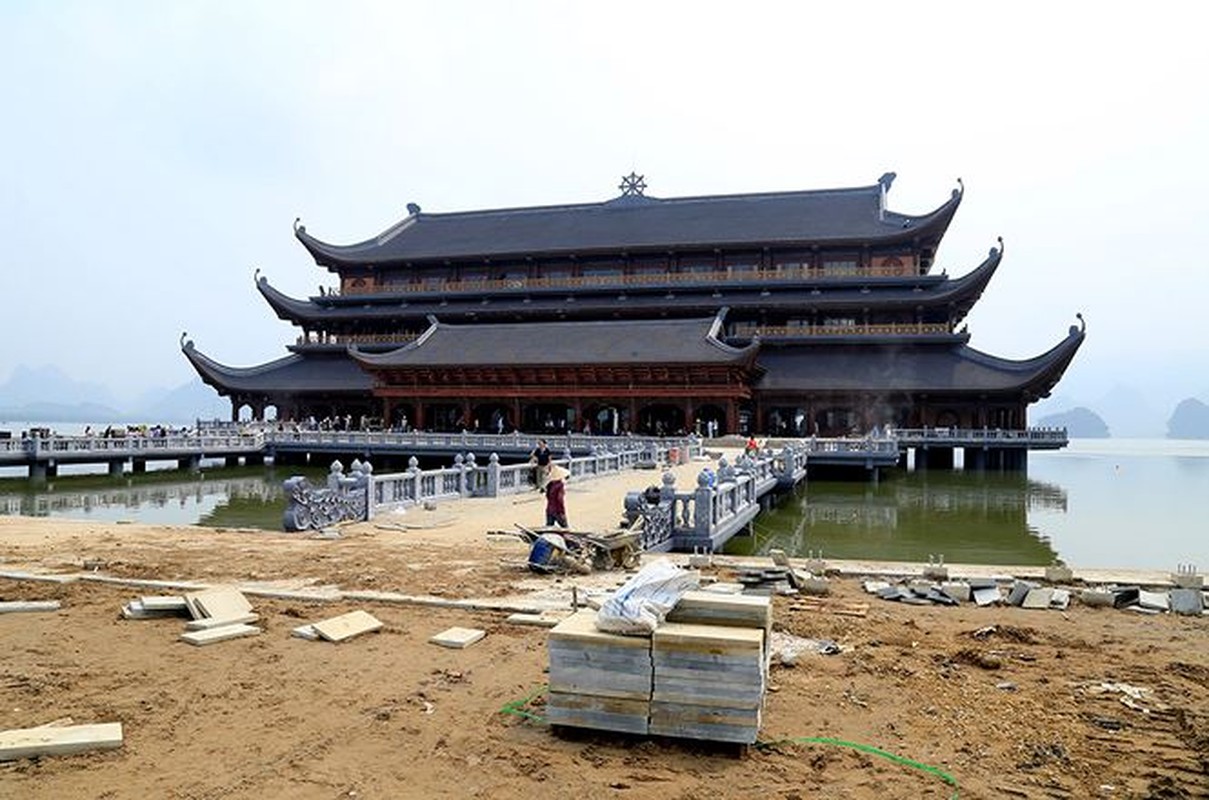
702 507
493 475
191 463
230 461
138 466
115 467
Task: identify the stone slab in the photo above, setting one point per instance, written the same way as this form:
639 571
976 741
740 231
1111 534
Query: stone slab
58 741
1156 600
206 623
1037 598
581 627
600 683
778 557
1125 596
1189 602
222 602
455 637
23 606
222 634
46 577
958 590
1060 599
598 713
987 595
544 619
1019 592
1058 574
1097 598
165 603
355 623
306 631
723 587
982 583
713 639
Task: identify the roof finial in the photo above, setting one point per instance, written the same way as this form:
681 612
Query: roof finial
184 335
297 227
886 180
633 185
413 209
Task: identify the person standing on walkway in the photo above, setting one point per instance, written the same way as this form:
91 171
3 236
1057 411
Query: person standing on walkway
541 457
556 496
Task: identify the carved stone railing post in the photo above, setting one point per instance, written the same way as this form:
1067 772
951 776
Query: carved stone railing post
493 475
459 463
470 473
703 504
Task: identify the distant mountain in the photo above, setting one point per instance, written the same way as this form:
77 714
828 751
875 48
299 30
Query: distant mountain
187 402
1080 423
48 384
1127 413
1190 420
46 394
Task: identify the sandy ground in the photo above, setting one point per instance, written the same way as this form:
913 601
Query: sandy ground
1011 713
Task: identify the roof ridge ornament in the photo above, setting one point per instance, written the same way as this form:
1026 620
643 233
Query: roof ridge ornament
960 190
997 251
886 180
298 228
633 185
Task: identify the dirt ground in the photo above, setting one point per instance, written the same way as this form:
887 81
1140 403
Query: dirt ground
1011 712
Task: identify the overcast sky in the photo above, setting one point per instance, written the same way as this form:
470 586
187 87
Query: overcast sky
155 154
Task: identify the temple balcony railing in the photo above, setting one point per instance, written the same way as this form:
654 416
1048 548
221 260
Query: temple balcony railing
1031 438
783 275
747 331
397 339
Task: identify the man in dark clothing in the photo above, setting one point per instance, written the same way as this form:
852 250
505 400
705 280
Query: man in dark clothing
541 457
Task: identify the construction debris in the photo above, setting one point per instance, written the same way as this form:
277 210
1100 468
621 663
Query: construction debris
346 626
51 740
21 606
458 637
219 634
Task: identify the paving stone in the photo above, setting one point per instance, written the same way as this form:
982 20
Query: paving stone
1060 599
958 590
58 741
221 634
723 587
22 606
207 623
457 637
1058 574
306 631
873 587
545 619
987 595
1019 591
1189 602
1097 598
346 626
1156 600
778 557
171 603
982 583
940 597
1037 598
223 602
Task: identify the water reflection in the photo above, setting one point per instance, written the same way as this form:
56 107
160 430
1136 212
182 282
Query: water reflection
909 516
221 499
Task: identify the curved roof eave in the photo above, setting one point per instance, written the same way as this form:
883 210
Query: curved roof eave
928 227
223 377
287 308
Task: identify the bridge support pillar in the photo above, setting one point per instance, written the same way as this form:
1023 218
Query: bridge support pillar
190 463
39 471
231 461
115 468
138 466
256 459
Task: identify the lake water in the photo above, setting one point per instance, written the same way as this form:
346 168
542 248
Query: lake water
1098 503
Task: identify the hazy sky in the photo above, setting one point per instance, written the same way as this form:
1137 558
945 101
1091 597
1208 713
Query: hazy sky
156 153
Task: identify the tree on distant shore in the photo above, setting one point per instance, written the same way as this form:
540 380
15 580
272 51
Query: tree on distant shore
1190 420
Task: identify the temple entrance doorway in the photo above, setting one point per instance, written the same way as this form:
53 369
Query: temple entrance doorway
402 418
788 421
444 417
604 420
554 418
837 421
711 421
660 420
490 418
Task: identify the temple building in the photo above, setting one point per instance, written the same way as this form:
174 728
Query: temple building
784 313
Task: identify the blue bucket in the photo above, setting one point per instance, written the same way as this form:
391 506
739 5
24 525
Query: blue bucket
542 554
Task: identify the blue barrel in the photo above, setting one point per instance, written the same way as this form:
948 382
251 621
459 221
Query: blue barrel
544 552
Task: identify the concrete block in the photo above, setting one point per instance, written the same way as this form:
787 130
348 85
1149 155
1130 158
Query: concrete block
1097 598
921 586
1037 598
1125 596
987 595
458 637
778 557
1189 602
1019 591
169 603
545 619
1156 600
207 623
22 606
58 741
958 590
1060 599
982 583
355 623
936 572
814 586
221 634
1058 574
701 560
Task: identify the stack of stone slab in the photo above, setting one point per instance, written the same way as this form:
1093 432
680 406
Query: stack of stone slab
701 675
709 682
598 680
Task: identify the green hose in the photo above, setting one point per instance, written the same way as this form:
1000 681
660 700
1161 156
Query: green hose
873 751
517 708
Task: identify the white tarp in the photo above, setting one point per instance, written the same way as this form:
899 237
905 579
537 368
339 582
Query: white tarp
641 604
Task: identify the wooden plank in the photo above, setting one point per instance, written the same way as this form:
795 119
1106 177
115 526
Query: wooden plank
457 637
55 741
207 623
213 635
19 606
346 626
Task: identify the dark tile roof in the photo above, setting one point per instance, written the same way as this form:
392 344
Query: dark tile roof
924 368
832 216
671 341
293 373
